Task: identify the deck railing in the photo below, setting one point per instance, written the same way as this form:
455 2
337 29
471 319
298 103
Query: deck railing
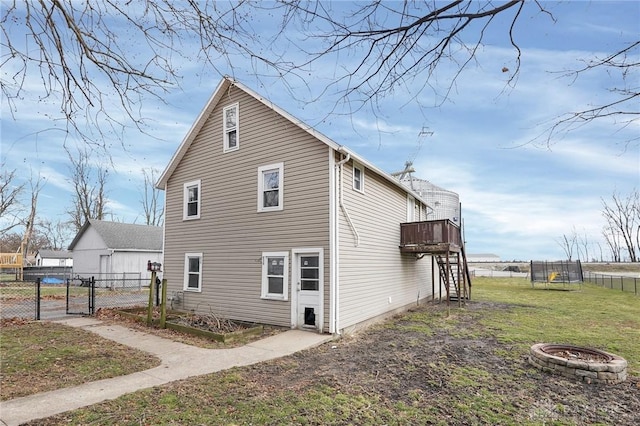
11 260
429 233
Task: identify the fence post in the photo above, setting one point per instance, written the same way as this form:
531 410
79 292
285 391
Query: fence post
150 305
163 307
92 296
38 299
68 284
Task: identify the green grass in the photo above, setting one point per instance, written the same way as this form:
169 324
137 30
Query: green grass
589 316
41 356
356 383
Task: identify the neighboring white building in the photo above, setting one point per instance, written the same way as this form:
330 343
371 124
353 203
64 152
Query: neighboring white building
483 257
110 249
53 258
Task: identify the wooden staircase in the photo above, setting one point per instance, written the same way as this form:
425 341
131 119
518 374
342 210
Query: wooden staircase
454 274
442 239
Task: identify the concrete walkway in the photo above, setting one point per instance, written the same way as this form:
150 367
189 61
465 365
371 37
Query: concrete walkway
179 361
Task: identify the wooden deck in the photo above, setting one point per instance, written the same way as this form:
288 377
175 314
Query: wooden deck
433 236
12 261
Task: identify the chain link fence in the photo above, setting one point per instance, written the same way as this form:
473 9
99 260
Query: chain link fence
18 299
81 295
614 282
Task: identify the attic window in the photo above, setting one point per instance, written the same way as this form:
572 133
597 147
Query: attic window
230 124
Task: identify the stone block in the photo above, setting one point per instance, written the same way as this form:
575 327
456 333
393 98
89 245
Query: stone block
556 360
587 373
598 366
605 375
617 365
574 363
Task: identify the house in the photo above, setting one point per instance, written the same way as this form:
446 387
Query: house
111 249
269 221
53 258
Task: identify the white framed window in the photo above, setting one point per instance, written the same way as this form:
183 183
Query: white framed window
193 272
270 187
192 200
275 275
230 125
358 177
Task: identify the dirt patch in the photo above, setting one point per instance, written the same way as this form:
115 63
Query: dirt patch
211 323
204 322
401 365
424 367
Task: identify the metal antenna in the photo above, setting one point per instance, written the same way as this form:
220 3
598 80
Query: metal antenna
408 165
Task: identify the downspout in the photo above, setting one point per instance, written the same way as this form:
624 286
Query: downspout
335 297
334 239
341 200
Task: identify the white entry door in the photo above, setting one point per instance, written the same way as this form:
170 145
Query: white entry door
308 274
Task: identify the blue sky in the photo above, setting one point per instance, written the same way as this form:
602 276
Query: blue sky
518 197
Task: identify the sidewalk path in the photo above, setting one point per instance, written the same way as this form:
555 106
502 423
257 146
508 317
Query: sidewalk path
177 363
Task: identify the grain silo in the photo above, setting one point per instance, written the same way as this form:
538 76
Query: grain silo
442 204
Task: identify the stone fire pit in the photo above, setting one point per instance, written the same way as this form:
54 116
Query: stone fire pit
585 364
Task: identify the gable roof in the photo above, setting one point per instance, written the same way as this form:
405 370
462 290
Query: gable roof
225 84
124 236
53 254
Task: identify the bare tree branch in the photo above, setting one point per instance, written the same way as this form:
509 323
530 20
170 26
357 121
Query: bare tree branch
151 198
89 184
568 243
83 55
10 193
29 223
623 220
624 109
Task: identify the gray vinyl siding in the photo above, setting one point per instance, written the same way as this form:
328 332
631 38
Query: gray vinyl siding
230 233
87 251
375 277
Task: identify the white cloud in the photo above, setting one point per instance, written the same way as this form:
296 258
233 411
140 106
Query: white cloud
515 201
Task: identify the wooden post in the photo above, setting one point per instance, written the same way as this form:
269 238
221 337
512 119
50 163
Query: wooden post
150 307
448 285
163 306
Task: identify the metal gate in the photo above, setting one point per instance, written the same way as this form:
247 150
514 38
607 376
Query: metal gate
81 296
85 295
